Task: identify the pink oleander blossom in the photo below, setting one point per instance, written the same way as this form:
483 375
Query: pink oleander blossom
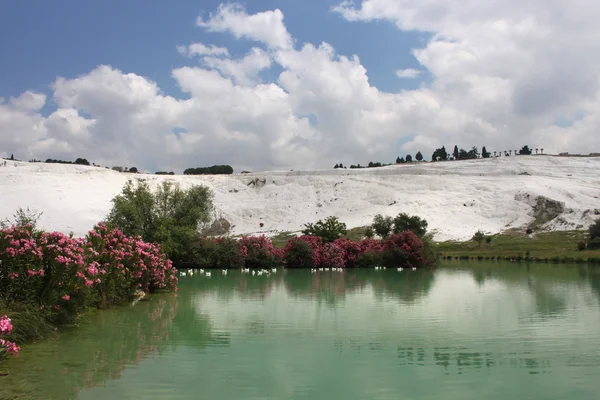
5 325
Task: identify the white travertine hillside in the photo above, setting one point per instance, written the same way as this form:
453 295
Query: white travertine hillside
457 198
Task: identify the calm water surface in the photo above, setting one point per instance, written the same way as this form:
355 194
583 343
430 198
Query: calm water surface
463 331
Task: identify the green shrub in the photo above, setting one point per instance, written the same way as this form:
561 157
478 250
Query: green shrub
580 245
382 225
404 222
478 237
298 254
22 218
215 253
594 230
369 259
328 230
170 216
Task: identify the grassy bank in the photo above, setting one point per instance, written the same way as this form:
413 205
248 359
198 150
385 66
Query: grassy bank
551 246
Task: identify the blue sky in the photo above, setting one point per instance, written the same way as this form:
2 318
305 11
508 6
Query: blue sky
68 38
499 75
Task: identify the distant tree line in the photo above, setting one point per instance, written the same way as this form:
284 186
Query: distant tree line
164 173
214 170
79 161
461 154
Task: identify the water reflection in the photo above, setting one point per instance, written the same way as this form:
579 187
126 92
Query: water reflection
462 331
91 355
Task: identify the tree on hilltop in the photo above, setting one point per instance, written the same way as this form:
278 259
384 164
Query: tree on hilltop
419 156
485 153
439 154
455 152
478 237
408 158
525 150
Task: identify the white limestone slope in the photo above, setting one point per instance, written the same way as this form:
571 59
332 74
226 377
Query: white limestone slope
457 198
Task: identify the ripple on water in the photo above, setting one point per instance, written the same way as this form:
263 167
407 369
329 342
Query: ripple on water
478 331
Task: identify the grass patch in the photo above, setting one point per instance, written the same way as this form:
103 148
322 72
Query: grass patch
280 240
513 244
357 233
29 324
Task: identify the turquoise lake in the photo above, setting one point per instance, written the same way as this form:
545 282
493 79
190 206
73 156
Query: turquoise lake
461 331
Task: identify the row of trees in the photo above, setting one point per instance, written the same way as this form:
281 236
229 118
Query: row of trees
461 154
78 161
457 154
214 170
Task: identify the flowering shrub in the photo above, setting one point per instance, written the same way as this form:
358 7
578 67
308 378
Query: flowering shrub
258 252
403 249
331 255
6 347
63 276
298 254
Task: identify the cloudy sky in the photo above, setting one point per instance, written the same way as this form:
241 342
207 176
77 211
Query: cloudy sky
277 84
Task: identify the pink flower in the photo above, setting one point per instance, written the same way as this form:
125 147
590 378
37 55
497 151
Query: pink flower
5 325
66 297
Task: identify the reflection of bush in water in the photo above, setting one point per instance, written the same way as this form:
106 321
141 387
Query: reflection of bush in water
541 282
406 286
98 351
226 287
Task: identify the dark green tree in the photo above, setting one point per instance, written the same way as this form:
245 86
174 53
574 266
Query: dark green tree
455 152
595 230
398 160
419 156
525 150
478 237
329 230
336 166
440 154
214 170
170 216
404 222
382 225
485 153
408 158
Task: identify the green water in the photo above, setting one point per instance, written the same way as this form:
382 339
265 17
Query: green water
464 331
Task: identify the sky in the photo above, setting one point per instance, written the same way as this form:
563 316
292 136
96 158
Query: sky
290 84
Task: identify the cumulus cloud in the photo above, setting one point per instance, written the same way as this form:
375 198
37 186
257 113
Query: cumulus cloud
199 49
266 27
501 76
505 63
408 73
29 101
245 70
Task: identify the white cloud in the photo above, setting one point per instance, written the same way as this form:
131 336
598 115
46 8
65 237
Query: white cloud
266 27
408 73
29 101
501 76
199 49
245 70
504 63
